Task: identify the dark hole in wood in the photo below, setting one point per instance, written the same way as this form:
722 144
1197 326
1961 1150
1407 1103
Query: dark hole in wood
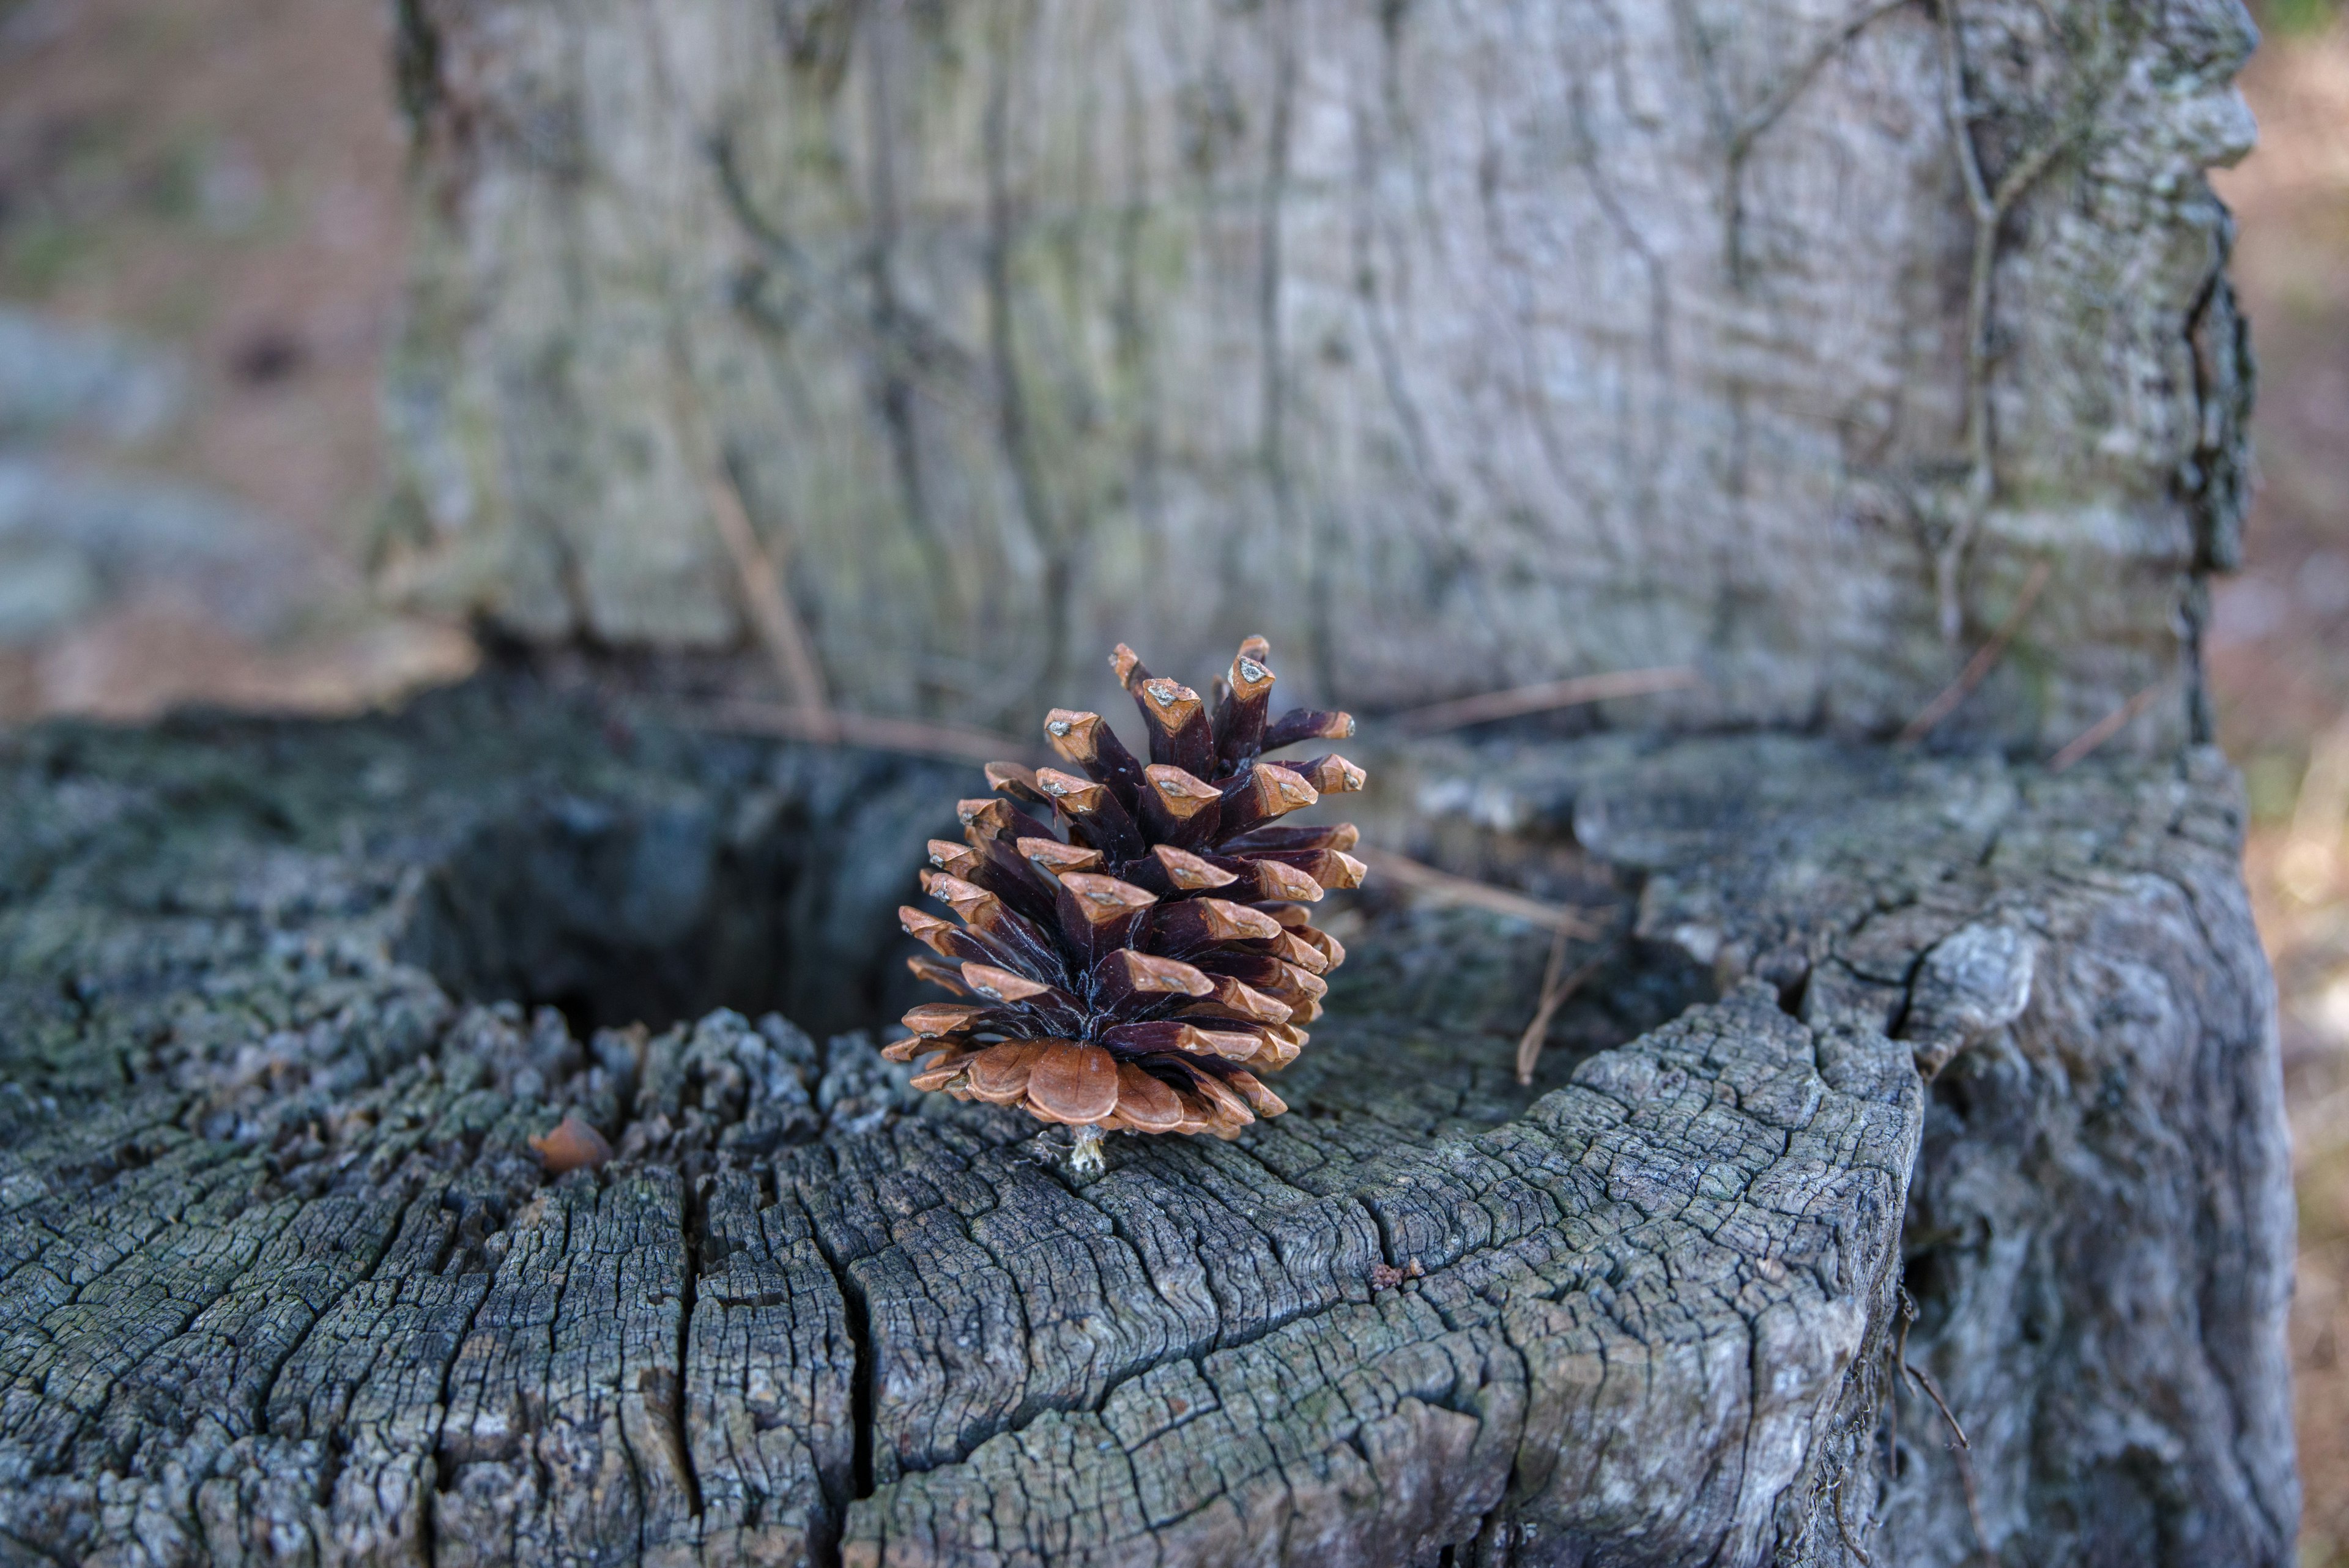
1426 1013
773 895
1425 1017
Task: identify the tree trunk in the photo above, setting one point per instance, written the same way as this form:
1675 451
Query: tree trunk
1464 346
285 1281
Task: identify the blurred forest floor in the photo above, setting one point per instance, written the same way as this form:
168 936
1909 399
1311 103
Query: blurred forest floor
184 498
2279 659
218 183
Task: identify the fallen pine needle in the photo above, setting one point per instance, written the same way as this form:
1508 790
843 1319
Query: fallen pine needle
1556 988
780 627
836 726
1447 888
1519 701
756 570
2106 728
1979 666
1529 1044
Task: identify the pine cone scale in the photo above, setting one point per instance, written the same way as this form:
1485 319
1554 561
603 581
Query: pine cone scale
1068 1082
1082 738
998 1074
1146 1104
1180 734
1239 720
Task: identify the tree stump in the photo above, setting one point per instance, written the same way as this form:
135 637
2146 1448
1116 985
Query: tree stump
1889 1061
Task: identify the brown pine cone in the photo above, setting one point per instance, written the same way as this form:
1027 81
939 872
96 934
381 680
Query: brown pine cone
1142 970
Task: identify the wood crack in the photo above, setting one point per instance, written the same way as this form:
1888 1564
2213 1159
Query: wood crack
366 1277
856 1317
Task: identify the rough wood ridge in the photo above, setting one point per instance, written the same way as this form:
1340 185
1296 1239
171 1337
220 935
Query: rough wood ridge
282 1281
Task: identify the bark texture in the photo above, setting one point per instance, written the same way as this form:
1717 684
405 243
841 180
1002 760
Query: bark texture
283 1280
1485 344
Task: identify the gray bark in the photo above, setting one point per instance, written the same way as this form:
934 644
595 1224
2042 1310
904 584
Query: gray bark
1453 346
283 1280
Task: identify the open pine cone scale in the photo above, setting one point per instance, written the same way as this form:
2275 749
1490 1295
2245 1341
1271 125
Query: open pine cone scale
1134 953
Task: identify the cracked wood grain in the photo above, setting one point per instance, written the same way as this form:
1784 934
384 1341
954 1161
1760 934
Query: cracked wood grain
280 1279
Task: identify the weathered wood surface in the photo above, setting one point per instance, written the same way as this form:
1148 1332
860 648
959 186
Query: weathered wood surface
283 1282
2100 1225
1483 344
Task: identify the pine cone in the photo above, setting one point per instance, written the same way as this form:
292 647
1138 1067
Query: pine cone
1142 972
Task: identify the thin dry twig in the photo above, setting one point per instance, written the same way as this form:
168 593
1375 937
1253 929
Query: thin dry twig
1544 697
779 625
1446 888
1529 1044
2106 728
1843 1530
757 573
1979 666
1973 1509
915 737
1557 988
1959 1450
1924 1380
